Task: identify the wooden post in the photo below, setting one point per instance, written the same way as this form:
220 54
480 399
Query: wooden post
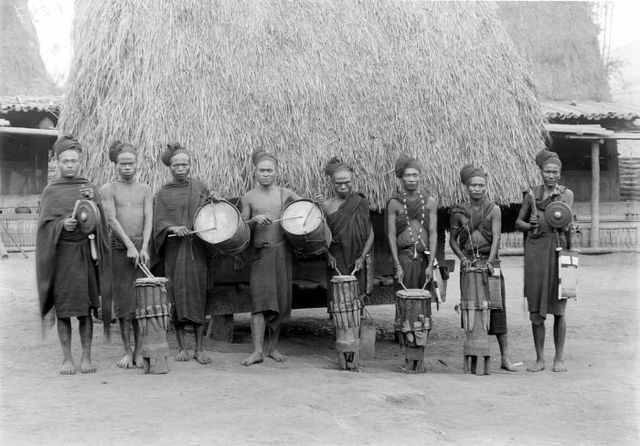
595 193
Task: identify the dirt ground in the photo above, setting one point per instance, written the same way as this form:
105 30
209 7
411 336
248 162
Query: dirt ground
307 400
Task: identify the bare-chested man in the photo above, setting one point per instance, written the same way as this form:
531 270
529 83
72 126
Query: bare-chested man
270 280
129 207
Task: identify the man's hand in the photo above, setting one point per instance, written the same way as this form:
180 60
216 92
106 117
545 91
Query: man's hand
144 256
331 261
399 273
359 264
428 274
133 254
180 231
318 198
465 263
534 221
262 220
70 224
490 267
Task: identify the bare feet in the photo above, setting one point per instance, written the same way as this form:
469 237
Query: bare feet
558 366
202 358
253 358
508 366
126 362
68 368
182 356
138 362
537 367
277 356
86 366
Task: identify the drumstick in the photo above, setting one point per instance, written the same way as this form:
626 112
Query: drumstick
304 223
145 270
195 232
286 218
402 284
336 268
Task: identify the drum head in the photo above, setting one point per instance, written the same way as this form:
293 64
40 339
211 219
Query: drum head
301 217
558 214
88 216
150 281
221 221
342 279
413 293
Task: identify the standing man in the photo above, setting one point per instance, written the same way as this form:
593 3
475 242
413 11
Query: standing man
541 258
182 254
128 206
348 219
475 238
412 227
270 281
71 275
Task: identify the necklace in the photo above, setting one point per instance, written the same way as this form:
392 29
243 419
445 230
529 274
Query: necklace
406 211
475 247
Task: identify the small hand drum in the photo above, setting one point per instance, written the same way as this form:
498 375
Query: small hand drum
558 214
88 216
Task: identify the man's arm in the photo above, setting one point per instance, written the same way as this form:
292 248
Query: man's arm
365 250
432 206
392 212
455 226
148 224
524 214
496 231
109 206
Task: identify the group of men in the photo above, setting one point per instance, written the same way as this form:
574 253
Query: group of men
73 271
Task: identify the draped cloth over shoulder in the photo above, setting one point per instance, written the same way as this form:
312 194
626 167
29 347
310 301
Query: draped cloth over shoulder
350 226
67 276
540 260
184 258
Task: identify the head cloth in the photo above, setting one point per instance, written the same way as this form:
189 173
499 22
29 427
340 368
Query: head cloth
334 165
405 162
66 142
171 151
259 155
470 171
547 157
117 147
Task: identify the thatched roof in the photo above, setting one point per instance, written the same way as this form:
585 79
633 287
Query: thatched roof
22 70
559 41
305 80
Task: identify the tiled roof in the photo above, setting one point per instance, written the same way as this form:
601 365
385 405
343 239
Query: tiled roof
588 110
30 103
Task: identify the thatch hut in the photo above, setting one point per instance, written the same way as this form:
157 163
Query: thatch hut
305 80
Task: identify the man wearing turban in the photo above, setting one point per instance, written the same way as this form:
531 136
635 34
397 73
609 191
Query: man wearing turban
475 238
271 270
348 219
182 254
70 280
411 222
541 273
128 206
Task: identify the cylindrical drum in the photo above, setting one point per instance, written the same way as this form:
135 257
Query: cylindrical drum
479 291
413 316
221 225
152 312
345 312
305 227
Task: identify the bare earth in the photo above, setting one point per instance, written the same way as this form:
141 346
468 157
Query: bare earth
306 400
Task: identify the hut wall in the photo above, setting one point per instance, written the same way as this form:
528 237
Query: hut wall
576 170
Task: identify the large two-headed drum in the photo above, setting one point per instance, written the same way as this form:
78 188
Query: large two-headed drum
412 324
152 311
220 224
345 312
305 227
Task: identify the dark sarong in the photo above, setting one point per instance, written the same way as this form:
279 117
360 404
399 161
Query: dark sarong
184 258
125 273
270 283
350 226
67 276
482 223
541 263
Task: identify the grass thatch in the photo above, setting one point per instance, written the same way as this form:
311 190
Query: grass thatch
306 80
559 41
22 71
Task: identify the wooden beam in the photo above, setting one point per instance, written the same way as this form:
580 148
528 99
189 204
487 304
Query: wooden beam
595 194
